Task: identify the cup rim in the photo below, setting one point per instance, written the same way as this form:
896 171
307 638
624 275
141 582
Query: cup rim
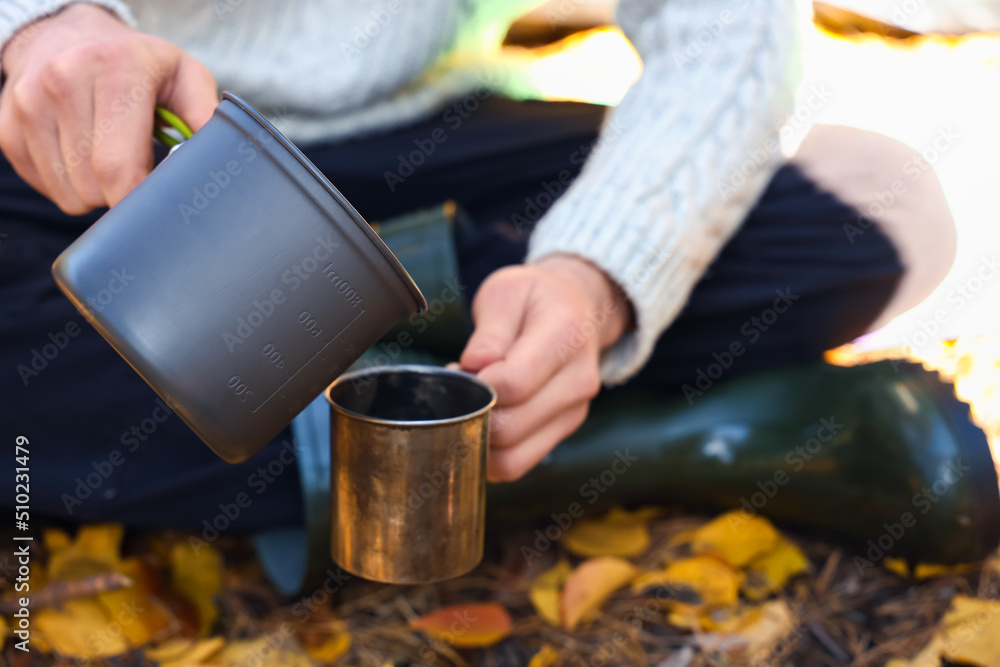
411 368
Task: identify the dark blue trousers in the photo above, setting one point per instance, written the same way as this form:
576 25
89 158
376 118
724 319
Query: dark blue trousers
105 448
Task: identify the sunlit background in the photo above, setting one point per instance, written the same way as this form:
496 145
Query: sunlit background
886 79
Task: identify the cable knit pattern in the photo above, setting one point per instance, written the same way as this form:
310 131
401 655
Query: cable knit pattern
718 79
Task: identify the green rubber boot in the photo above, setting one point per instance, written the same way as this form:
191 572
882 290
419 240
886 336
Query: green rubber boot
881 455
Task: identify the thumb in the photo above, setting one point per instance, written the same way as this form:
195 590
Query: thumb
192 93
498 311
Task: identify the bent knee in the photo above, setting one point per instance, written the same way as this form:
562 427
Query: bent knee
888 183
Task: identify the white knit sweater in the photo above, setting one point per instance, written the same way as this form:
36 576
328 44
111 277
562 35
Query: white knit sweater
680 161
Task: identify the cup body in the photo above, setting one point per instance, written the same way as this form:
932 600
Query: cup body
408 472
237 281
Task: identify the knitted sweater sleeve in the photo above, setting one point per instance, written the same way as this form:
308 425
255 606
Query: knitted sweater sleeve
16 14
683 158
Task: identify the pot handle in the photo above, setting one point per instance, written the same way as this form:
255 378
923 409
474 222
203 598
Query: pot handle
164 117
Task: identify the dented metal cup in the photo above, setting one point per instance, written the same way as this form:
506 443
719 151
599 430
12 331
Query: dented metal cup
408 472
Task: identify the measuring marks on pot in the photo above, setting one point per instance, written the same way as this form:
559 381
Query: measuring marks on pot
288 348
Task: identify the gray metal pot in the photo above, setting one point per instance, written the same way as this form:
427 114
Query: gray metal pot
237 281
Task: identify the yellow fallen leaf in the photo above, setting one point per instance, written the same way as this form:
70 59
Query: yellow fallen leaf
926 570
94 550
546 589
617 533
972 631
736 537
181 652
170 650
276 648
196 573
79 629
715 583
592 582
768 572
331 649
55 540
4 629
968 633
466 625
546 657
929 656
760 629
896 565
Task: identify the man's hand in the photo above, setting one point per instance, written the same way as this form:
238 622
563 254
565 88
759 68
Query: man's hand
539 333
76 111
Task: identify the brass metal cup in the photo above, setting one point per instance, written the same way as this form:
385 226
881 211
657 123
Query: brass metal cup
408 472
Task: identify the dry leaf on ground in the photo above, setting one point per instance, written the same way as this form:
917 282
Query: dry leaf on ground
714 582
590 585
754 634
546 591
466 625
331 649
969 634
196 573
768 572
736 537
547 656
617 533
177 652
275 648
80 629
94 550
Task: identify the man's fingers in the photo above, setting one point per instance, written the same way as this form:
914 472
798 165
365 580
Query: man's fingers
542 347
498 310
42 141
576 384
505 465
191 93
79 138
123 105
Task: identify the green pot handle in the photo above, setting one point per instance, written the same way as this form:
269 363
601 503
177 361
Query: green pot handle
165 117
